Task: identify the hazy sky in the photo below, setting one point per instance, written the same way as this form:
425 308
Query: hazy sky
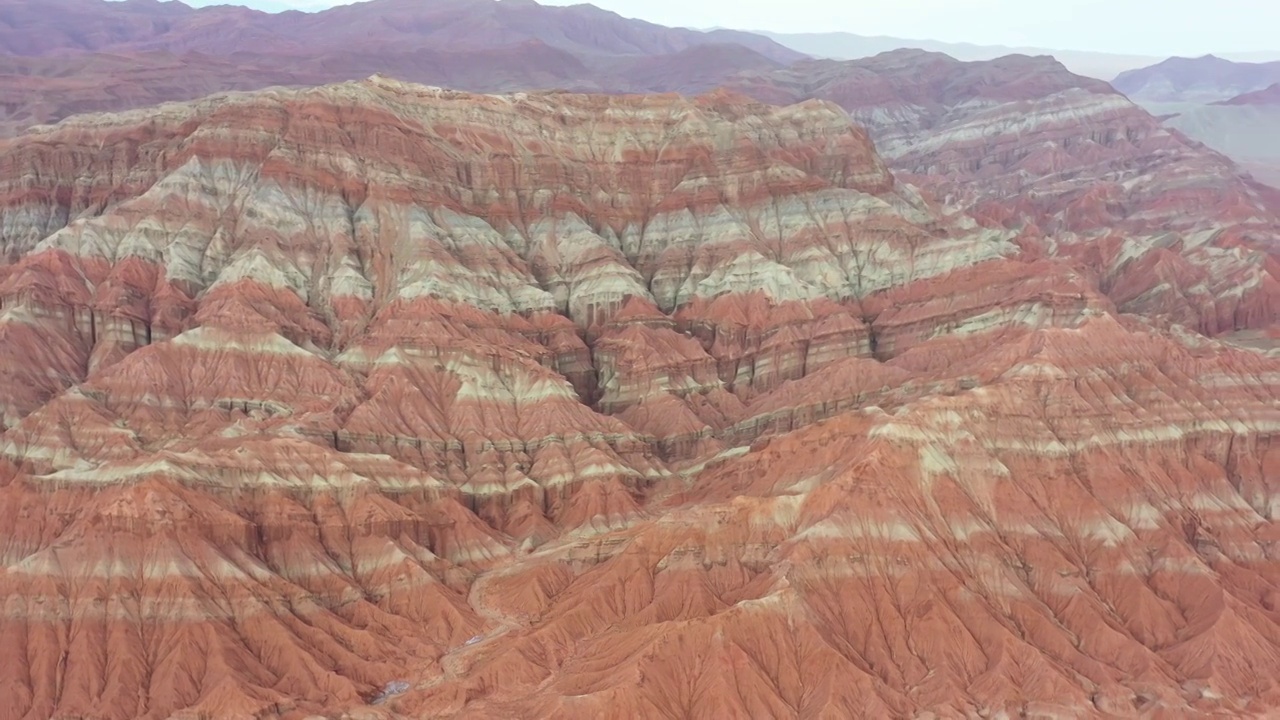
1146 27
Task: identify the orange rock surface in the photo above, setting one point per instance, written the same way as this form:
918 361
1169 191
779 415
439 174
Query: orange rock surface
376 400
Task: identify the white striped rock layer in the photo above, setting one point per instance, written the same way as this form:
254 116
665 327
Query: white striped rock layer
559 405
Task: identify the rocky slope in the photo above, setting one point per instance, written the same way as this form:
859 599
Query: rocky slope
332 353
1190 99
1055 542
1165 225
552 405
39 90
1269 95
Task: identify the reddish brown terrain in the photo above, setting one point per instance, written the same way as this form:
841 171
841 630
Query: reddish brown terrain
1164 225
42 90
937 389
61 57
376 400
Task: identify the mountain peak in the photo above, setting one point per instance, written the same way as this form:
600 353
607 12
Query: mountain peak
1205 79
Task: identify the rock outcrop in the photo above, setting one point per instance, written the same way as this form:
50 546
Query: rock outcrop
1168 227
554 405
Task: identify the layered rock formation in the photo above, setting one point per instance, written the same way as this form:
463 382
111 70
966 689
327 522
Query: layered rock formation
336 346
1062 540
1229 106
1269 95
551 405
1167 226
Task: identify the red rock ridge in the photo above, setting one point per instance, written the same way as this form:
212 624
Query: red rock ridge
1168 226
550 405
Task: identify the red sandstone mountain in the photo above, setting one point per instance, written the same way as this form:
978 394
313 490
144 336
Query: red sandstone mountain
1232 107
553 405
1165 225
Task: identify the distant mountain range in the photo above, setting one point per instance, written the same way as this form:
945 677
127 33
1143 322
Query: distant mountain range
848 46
1199 80
1233 107
1229 103
45 27
64 57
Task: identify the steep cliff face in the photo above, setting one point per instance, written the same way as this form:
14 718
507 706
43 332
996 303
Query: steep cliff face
1167 225
560 405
